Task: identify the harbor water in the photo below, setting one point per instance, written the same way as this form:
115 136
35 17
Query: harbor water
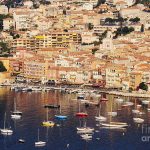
64 136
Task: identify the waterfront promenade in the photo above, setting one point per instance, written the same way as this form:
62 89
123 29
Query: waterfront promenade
98 90
127 94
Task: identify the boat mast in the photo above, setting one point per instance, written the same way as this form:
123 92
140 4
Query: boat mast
4 120
60 107
99 109
38 134
15 104
79 105
47 115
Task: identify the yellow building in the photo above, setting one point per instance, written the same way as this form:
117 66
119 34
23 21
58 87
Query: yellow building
135 79
52 39
114 75
4 77
6 62
35 69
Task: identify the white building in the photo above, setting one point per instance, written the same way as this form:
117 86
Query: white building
7 23
3 9
87 6
21 20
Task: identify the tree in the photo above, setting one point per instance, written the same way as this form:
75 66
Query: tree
134 20
109 20
90 26
94 50
124 31
143 86
2 67
4 47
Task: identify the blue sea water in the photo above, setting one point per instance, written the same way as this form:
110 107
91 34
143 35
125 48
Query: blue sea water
63 136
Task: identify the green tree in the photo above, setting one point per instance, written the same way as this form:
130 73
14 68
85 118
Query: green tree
94 50
2 67
4 47
143 86
134 20
124 31
109 20
90 26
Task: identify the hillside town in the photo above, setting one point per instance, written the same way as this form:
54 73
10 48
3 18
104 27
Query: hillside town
103 44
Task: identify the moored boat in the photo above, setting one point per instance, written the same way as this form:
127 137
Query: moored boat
81 114
51 106
138 120
39 143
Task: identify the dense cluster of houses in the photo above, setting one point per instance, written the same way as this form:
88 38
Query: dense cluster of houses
71 42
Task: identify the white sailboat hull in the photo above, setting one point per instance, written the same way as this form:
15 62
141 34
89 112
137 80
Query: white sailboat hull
113 114
138 120
15 116
101 118
135 111
114 125
85 129
40 143
6 132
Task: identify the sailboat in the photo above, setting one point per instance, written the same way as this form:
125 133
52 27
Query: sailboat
16 114
112 113
61 117
85 129
135 111
39 143
81 114
6 131
114 125
48 123
99 117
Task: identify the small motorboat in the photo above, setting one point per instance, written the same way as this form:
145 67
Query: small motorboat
21 141
113 114
145 102
135 111
138 120
51 106
148 109
139 106
15 116
86 136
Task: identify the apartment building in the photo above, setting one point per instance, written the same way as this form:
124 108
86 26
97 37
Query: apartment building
35 69
21 20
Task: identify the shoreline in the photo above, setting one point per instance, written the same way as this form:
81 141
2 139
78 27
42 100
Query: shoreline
76 89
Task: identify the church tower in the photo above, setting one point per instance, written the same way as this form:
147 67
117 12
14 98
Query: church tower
107 43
